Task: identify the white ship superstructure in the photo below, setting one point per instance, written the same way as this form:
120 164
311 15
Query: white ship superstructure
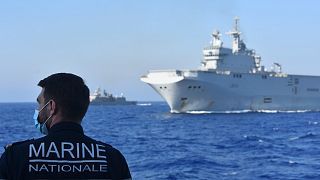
232 79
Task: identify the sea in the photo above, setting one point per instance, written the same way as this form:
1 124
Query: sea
198 145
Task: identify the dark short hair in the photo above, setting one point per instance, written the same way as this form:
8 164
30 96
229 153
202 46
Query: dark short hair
69 92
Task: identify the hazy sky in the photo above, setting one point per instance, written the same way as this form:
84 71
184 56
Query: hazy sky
112 43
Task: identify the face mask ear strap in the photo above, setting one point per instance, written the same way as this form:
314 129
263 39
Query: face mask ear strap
44 106
47 119
45 124
42 109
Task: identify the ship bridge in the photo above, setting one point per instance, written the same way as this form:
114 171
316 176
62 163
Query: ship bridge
238 59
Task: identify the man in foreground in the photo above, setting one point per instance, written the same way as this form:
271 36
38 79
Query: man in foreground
65 152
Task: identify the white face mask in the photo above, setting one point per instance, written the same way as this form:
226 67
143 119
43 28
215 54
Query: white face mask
41 126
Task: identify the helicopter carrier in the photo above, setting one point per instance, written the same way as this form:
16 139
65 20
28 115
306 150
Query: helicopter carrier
232 79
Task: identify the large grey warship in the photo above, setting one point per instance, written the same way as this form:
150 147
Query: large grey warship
232 79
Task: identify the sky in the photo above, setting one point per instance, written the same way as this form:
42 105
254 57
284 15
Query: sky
111 43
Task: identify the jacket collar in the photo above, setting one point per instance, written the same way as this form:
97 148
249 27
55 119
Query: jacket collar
66 126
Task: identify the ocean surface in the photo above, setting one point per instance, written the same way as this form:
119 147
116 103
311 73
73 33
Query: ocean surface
160 145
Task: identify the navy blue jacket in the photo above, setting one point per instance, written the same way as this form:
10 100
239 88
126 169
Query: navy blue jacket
65 153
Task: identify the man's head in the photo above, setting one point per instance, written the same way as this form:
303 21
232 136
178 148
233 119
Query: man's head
64 96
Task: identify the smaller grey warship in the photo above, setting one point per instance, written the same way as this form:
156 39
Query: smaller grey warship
105 98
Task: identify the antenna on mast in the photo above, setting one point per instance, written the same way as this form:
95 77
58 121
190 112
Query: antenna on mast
235 33
236 22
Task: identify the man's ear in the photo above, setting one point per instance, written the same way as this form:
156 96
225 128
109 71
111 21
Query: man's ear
53 109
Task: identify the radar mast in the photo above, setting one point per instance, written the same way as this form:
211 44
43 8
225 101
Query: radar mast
235 33
216 42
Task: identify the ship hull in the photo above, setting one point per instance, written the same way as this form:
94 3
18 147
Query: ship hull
210 91
114 103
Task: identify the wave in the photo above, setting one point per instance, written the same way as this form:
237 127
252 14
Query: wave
292 162
308 135
296 111
199 112
211 112
243 111
256 138
313 122
144 104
